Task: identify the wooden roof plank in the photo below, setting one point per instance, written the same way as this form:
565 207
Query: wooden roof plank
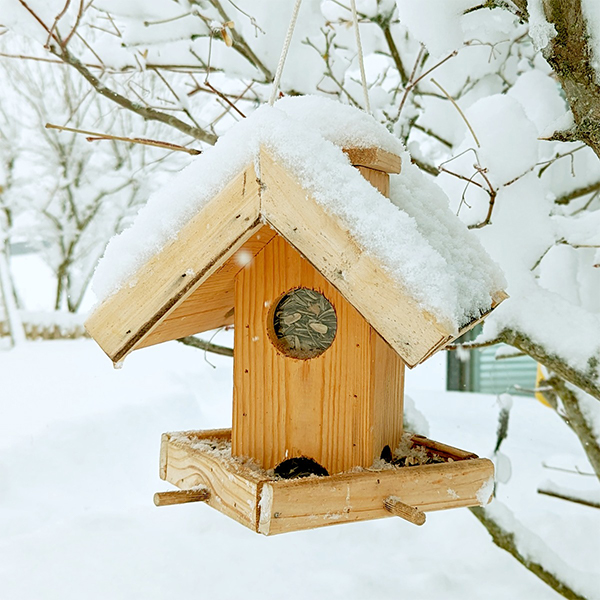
374 158
358 275
202 246
211 304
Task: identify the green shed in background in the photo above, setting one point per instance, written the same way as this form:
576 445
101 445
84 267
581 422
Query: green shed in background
482 372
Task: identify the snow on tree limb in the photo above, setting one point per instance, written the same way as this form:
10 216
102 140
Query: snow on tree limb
531 551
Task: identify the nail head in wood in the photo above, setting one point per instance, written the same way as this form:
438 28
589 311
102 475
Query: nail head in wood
395 506
200 494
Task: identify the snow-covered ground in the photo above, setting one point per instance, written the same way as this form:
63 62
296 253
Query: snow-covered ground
78 467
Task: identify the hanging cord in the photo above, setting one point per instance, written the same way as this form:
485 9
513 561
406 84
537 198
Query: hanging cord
284 51
361 63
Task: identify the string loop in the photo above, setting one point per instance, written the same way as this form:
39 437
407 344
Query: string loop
284 51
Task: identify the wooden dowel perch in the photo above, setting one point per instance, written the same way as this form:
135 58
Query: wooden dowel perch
199 494
395 506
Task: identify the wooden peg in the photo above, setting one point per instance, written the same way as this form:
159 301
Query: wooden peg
395 506
198 494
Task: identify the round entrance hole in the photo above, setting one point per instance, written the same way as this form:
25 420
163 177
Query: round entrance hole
304 324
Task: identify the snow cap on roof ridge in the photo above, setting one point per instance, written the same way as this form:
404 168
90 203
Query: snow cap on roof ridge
344 125
304 134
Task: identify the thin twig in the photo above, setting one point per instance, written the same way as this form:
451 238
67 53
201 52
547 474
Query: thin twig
95 136
145 112
549 162
75 25
472 345
195 342
387 34
224 98
37 18
568 498
58 17
169 20
575 471
433 134
88 46
176 96
412 85
460 112
577 193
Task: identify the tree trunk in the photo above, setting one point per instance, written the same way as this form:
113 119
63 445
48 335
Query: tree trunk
569 56
15 326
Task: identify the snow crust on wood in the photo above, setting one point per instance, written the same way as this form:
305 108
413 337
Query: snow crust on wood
484 493
462 273
343 124
415 236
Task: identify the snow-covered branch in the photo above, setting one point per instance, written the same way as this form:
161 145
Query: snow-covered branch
579 415
531 551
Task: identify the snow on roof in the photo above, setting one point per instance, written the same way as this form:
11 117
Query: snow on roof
415 236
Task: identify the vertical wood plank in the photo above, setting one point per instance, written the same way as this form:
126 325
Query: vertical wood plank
323 407
387 377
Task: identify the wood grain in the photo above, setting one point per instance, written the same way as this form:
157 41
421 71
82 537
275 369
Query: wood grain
317 502
170 498
378 179
442 449
358 275
272 506
234 491
374 158
396 507
340 408
210 305
203 245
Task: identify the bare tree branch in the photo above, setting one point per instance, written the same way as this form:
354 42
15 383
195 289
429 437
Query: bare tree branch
577 193
240 45
147 113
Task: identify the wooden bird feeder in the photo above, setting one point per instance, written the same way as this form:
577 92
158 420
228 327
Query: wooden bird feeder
322 337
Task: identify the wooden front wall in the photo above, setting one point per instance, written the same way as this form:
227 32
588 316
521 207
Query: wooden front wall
340 408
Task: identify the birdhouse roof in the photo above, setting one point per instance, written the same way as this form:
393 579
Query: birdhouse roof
406 263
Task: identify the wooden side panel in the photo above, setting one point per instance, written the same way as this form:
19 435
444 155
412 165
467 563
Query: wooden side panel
285 407
387 379
359 277
233 491
211 305
374 158
203 245
316 502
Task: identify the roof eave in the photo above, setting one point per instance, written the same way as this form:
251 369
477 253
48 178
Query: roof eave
123 320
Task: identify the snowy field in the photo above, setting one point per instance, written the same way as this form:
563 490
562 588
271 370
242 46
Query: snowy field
79 464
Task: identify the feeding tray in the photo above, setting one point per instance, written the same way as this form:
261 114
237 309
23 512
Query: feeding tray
201 460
